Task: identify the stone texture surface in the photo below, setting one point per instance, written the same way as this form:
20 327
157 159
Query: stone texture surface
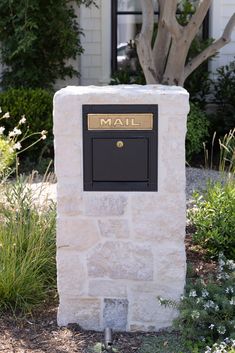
103 204
121 260
85 311
117 251
68 262
107 288
114 228
115 313
78 233
144 308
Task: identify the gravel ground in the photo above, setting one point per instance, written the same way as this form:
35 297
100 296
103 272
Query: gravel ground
197 179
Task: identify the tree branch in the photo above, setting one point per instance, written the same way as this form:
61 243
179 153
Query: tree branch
144 39
168 9
212 49
147 18
194 24
161 44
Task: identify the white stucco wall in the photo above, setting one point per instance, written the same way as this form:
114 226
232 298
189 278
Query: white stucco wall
96 61
221 11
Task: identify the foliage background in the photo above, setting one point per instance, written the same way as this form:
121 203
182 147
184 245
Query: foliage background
37 38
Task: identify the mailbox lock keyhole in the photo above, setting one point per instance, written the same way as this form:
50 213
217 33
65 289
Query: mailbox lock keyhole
120 144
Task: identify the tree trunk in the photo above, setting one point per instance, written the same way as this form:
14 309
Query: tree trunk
166 61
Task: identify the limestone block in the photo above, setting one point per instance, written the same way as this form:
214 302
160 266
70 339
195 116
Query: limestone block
68 160
69 200
115 314
104 204
148 203
142 328
172 267
107 288
121 260
71 278
168 289
67 110
144 307
83 311
174 105
77 233
156 226
114 228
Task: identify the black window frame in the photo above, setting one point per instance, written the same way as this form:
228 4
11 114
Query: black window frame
114 16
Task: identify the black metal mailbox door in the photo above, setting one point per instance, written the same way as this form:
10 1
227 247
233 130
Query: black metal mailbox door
120 159
120 154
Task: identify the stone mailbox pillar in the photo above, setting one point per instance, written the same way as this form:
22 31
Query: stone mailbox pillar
118 248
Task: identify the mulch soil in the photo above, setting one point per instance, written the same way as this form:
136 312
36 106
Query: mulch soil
40 332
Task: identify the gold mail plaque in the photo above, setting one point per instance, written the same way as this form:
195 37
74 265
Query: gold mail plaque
135 121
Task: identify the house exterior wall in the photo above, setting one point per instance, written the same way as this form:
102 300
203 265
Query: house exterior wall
96 60
221 11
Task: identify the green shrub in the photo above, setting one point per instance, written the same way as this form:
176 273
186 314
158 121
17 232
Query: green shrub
165 343
214 219
197 131
27 250
207 310
36 105
37 39
224 92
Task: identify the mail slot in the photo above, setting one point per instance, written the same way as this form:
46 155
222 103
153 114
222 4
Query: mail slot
120 147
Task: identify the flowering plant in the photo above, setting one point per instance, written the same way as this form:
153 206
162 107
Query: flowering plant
207 310
227 346
11 144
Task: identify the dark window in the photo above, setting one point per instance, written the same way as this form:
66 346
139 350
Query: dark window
126 23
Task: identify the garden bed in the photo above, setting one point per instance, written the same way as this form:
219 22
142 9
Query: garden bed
40 332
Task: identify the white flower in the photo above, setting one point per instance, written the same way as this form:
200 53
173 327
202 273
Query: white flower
2 128
15 132
22 120
192 293
6 115
205 293
209 304
195 314
232 301
211 326
221 330
230 264
229 290
0 110
43 133
17 146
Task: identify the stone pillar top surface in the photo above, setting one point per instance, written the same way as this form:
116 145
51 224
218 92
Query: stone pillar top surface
123 89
